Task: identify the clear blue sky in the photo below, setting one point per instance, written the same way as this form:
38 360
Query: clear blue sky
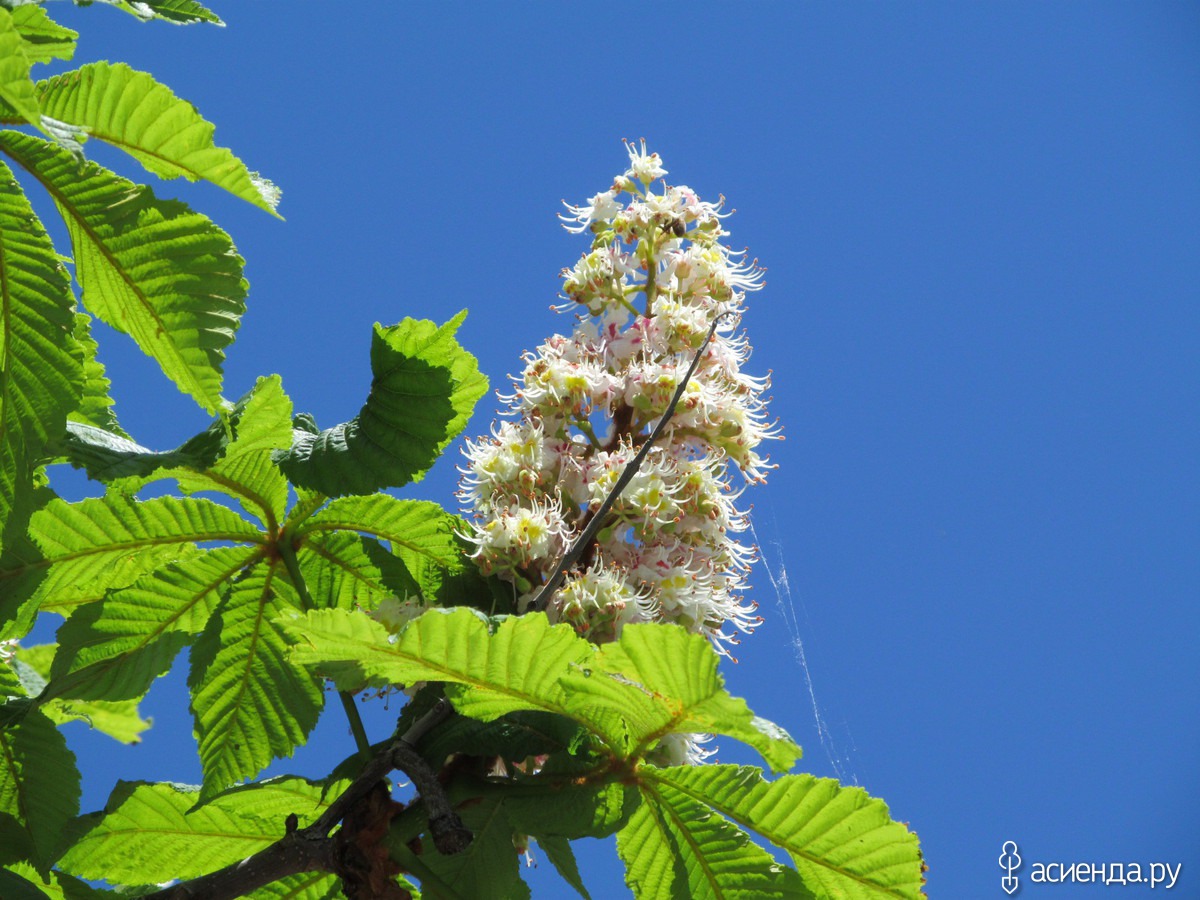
982 228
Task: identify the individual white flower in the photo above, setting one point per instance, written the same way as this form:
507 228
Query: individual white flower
602 207
681 750
517 536
599 602
644 167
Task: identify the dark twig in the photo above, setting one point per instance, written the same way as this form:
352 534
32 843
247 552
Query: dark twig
312 849
572 556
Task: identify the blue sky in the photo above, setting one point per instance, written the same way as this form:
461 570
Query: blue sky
981 224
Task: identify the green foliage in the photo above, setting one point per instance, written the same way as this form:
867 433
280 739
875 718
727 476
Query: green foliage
423 389
150 268
132 111
283 575
150 833
41 375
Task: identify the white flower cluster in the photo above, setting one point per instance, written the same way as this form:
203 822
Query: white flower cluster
654 281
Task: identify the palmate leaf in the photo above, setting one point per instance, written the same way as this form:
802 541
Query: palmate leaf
150 268
675 849
39 785
664 680
843 842
44 38
421 533
115 648
97 544
423 389
250 701
16 89
131 110
119 720
40 373
151 833
519 667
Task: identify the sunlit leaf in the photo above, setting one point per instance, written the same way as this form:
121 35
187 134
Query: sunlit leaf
151 833
519 667
21 881
250 701
117 719
424 386
665 680
16 89
39 786
115 648
40 374
843 841
130 110
101 543
150 268
95 407
673 847
44 38
177 12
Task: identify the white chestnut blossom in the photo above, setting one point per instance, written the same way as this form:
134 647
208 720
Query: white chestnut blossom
646 292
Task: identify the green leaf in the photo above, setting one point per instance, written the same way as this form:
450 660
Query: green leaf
423 389
566 809
843 842
346 570
150 833
562 857
246 470
421 533
131 110
665 680
150 268
39 787
21 881
305 886
488 867
675 848
114 649
106 542
177 12
513 737
95 406
517 668
250 701
44 38
40 374
16 89
128 466
119 720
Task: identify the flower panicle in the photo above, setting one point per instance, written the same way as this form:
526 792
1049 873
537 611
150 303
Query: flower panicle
646 292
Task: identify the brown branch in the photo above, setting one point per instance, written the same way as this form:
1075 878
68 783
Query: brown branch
358 808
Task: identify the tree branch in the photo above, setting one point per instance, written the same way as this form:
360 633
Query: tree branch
314 849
